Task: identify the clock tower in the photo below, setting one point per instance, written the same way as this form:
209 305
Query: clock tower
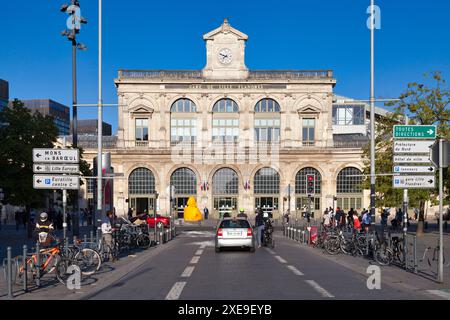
225 52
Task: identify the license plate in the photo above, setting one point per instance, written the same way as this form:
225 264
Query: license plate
231 233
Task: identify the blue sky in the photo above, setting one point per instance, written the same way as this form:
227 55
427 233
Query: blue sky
286 34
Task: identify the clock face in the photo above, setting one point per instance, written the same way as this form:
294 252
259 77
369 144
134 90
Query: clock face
225 56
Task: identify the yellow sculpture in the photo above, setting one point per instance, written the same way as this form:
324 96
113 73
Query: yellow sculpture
192 212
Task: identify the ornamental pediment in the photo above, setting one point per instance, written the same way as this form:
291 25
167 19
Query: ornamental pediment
309 109
225 28
141 109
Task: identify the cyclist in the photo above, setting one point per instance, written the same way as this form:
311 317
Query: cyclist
44 230
242 213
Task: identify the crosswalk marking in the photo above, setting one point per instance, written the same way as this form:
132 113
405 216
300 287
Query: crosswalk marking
194 259
199 252
176 290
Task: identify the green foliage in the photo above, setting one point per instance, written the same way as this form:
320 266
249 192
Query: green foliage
424 104
20 132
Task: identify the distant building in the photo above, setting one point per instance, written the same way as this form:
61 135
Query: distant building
4 93
90 127
58 111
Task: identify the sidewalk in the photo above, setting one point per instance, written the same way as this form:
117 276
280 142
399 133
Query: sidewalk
52 289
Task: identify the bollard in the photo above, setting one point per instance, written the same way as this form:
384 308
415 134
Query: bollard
24 262
166 232
92 236
169 234
9 272
161 240
38 262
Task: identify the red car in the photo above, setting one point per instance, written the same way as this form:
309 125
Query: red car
161 221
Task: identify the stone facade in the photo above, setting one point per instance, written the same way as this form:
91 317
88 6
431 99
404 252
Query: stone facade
300 95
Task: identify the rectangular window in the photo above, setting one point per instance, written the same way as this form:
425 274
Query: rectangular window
308 130
348 115
267 130
225 130
183 130
141 129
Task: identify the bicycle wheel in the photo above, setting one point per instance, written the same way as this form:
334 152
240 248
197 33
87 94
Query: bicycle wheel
89 261
331 245
143 241
383 255
62 267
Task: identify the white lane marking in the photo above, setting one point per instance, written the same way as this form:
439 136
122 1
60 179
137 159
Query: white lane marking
194 259
295 270
270 251
132 255
176 290
319 289
440 293
187 272
199 252
280 259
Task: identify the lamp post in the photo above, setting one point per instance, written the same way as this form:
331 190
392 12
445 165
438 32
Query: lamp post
74 25
372 112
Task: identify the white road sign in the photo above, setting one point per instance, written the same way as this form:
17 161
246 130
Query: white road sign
42 181
56 168
413 182
412 159
56 155
414 169
406 146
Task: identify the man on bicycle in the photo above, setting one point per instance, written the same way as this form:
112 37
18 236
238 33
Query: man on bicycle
44 230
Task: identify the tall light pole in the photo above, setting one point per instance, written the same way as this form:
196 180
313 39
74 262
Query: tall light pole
100 116
74 25
372 111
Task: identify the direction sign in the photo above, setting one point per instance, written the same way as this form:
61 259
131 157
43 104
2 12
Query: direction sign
414 169
405 146
56 155
413 182
56 168
42 181
411 159
414 131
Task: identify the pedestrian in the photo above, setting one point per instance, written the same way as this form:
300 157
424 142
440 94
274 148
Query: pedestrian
130 213
206 213
242 213
356 223
17 219
107 231
384 218
326 218
338 216
350 217
366 221
259 224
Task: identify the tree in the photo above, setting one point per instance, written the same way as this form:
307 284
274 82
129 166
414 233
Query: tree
424 104
22 131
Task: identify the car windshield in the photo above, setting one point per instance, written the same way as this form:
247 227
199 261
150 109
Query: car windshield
234 224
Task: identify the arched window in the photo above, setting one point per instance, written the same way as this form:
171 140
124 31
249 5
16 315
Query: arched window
300 180
141 182
267 121
266 181
225 121
225 181
183 121
185 181
349 188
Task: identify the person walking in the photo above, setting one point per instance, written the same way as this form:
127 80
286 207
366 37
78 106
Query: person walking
366 221
205 212
130 213
259 224
242 213
350 217
326 218
338 216
356 223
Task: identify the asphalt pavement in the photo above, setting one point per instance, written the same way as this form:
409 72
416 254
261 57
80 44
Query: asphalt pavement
190 269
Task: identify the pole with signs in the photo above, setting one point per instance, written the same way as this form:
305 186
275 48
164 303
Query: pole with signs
441 215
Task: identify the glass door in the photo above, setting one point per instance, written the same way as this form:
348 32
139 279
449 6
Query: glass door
224 205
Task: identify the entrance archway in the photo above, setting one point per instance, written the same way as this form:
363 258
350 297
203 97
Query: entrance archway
141 191
225 184
267 189
184 182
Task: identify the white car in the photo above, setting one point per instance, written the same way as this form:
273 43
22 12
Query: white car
235 232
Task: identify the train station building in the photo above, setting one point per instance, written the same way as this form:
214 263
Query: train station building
233 137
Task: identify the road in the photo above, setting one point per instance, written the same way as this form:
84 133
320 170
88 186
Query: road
192 270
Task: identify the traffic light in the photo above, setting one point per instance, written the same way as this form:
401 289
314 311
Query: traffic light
310 184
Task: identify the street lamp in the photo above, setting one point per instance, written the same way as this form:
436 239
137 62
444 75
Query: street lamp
74 25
